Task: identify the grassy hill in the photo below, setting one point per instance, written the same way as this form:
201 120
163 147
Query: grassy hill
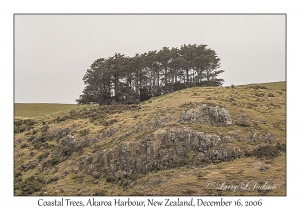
35 110
197 141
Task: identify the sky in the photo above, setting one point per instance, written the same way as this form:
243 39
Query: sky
53 52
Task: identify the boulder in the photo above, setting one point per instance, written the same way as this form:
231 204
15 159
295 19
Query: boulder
206 115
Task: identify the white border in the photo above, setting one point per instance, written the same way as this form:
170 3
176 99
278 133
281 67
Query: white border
8 8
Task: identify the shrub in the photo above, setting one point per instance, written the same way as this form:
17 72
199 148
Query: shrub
54 161
111 179
281 147
267 151
30 185
259 94
179 86
23 125
232 86
271 95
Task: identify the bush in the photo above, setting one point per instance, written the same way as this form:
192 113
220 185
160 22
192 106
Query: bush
54 161
259 94
267 151
23 125
30 185
281 147
271 95
111 179
179 86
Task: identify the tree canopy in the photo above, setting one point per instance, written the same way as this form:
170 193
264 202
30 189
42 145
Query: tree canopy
123 79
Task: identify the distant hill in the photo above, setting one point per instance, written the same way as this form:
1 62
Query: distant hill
196 141
39 109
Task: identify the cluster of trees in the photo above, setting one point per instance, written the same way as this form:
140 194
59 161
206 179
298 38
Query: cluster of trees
122 79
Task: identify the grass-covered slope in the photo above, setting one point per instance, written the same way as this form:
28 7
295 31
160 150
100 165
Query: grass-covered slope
181 143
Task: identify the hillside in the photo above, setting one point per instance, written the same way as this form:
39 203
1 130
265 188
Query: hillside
196 141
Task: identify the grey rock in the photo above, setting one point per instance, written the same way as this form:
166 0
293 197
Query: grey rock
253 137
206 115
227 139
268 138
157 151
65 147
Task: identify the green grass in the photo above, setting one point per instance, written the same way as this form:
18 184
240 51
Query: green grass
35 110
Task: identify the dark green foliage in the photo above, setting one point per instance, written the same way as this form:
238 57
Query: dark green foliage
129 80
54 161
144 94
179 86
210 83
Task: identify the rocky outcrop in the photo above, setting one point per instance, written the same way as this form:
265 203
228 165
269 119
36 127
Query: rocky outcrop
207 115
160 150
65 147
27 166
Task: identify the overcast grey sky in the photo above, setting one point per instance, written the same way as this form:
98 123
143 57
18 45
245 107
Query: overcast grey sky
53 52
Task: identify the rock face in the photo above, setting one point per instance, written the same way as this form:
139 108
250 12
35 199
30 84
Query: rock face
65 147
206 115
160 150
